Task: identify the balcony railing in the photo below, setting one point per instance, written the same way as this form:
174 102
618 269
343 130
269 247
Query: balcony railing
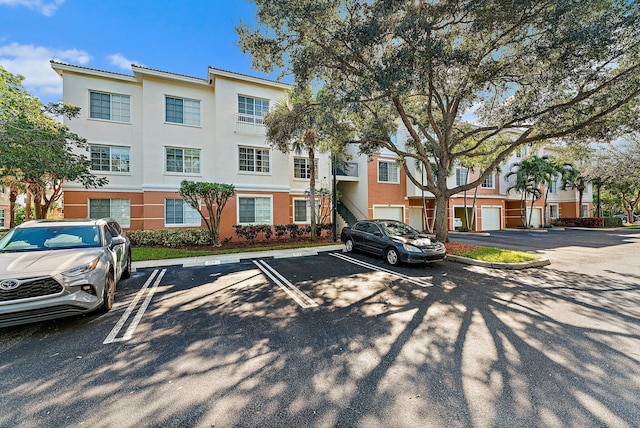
348 170
249 124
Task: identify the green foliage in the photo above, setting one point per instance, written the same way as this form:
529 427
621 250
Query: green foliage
214 196
497 255
36 149
612 222
170 237
531 71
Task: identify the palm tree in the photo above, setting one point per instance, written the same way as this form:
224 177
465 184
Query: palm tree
300 122
572 178
529 175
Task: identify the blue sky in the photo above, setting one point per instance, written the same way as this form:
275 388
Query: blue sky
177 36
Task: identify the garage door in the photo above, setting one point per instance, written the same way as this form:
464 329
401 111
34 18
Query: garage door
536 218
490 218
390 213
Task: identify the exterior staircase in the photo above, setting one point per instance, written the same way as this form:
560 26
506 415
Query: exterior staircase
346 214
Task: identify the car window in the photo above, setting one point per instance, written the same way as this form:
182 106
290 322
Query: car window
362 226
373 228
397 228
51 238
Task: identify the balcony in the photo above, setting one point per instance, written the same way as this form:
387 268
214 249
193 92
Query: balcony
249 124
349 172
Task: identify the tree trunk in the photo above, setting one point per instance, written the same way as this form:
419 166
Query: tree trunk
442 218
13 195
27 211
312 192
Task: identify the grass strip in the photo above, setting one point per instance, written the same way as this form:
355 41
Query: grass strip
497 255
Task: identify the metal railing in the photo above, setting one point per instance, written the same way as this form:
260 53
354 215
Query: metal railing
348 170
249 124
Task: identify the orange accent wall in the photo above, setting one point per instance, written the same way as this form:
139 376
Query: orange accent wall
385 193
147 208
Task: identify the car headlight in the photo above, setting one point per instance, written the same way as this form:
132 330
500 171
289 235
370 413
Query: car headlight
412 249
82 269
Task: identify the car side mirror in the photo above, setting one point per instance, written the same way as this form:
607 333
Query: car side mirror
377 233
117 240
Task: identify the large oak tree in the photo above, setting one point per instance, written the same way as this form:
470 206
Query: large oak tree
36 149
549 69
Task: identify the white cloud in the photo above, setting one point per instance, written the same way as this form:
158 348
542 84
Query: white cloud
32 62
44 7
121 62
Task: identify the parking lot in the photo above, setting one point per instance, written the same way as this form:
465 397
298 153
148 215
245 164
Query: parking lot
339 339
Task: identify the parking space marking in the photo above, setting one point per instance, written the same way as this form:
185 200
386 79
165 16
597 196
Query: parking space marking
134 324
292 291
381 269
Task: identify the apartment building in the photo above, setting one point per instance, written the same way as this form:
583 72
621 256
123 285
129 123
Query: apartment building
385 192
4 207
151 129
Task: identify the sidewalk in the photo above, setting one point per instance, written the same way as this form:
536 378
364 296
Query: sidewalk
236 257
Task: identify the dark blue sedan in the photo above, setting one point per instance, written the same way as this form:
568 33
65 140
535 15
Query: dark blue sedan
395 241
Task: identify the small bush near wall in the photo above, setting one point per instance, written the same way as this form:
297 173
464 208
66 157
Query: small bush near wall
612 222
200 236
580 222
169 237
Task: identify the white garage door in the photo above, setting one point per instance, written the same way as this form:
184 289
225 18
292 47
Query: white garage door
389 213
536 218
490 218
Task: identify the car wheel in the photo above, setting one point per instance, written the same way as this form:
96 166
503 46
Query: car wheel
126 273
392 257
109 294
349 244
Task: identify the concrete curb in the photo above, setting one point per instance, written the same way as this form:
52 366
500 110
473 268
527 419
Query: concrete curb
513 266
235 258
302 252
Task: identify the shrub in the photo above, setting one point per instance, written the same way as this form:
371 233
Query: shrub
280 230
580 222
612 222
169 237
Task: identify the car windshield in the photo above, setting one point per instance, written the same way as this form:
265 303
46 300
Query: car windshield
50 238
397 228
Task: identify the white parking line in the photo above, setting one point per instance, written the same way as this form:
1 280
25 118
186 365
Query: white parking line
381 269
294 292
123 319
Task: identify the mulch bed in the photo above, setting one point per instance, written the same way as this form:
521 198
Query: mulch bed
453 247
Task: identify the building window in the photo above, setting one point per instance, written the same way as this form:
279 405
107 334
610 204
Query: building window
254 160
254 210
553 187
118 209
553 211
301 168
179 213
3 218
183 160
111 159
489 182
110 107
183 111
584 210
521 151
461 176
301 211
252 110
388 172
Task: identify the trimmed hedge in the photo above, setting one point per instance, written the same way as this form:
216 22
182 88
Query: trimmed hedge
190 237
169 237
612 222
580 222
